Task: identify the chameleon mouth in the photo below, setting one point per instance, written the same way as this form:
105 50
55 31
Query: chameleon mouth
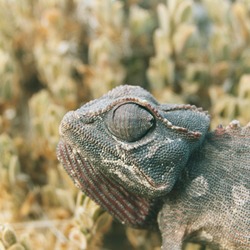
125 206
138 180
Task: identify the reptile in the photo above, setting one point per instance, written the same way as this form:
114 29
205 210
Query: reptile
158 165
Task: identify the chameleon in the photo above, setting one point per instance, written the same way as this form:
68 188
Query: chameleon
154 165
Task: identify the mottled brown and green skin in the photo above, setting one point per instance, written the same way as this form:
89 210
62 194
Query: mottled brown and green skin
141 160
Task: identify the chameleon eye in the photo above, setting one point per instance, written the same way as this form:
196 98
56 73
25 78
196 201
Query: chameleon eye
130 122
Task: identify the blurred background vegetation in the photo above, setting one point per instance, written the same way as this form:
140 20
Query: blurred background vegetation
56 55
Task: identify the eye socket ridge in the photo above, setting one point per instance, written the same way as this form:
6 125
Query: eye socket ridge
130 122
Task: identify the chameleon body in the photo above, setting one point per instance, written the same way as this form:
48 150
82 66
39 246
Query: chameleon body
154 164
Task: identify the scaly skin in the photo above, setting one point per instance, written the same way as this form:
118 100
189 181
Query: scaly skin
138 158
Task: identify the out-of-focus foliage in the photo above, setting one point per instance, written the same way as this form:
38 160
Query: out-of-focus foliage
56 55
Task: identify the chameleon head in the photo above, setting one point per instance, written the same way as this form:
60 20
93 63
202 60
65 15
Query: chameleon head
129 146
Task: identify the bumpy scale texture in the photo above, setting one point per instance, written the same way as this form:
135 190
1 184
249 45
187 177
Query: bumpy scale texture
139 159
212 203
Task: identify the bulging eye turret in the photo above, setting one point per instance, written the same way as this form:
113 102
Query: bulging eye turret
130 122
